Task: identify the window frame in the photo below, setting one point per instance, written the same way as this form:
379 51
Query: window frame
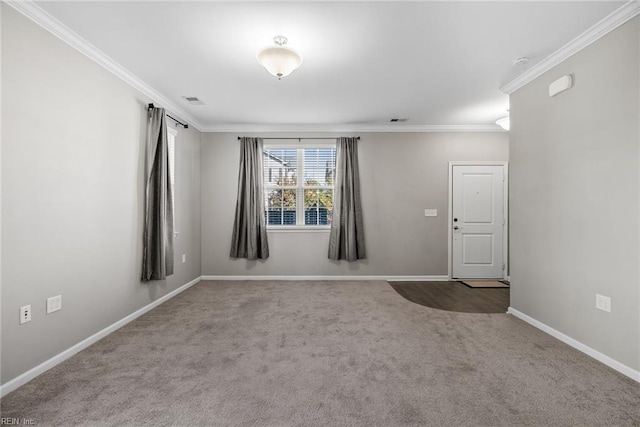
299 145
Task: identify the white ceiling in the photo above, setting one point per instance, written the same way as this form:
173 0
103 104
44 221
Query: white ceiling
365 62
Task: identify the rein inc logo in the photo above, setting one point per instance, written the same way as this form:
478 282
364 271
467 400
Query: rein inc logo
16 422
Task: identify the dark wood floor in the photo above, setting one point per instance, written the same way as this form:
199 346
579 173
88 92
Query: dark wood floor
454 296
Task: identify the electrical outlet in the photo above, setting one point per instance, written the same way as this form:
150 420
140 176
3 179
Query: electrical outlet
25 314
603 303
431 212
184 258
54 304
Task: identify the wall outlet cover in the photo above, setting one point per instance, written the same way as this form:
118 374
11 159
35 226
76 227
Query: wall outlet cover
25 314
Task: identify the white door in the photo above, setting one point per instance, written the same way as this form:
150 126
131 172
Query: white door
477 222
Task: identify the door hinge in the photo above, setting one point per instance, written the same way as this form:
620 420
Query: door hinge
503 266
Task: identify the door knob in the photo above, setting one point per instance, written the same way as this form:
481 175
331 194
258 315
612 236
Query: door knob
455 228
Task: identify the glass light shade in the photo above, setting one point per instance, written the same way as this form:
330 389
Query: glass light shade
280 61
503 123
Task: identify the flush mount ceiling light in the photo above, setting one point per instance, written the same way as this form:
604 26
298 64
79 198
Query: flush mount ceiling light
279 60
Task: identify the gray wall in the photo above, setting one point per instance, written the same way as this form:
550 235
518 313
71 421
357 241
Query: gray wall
574 180
72 157
401 173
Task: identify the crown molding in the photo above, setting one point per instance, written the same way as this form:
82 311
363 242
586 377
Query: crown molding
38 15
352 128
618 17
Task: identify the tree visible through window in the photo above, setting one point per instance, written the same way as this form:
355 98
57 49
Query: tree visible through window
299 185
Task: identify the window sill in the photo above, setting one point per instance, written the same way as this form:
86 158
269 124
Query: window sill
299 229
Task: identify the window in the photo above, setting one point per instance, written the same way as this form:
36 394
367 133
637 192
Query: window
299 184
171 147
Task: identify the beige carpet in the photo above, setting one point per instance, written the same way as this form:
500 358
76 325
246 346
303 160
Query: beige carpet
324 354
484 284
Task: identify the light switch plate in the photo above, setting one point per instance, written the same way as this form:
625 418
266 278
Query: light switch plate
603 303
431 212
54 304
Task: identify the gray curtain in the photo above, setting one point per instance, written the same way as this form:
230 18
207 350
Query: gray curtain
249 238
157 254
346 240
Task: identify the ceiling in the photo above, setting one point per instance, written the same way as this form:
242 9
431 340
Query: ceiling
365 62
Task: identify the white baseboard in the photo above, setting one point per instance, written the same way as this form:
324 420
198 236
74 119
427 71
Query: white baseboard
612 363
22 379
354 277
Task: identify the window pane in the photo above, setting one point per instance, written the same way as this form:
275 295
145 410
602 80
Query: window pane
310 198
319 166
280 166
288 217
274 217
274 198
289 199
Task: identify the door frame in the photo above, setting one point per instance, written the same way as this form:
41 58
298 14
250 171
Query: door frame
505 238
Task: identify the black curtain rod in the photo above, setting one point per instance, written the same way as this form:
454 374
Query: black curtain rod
184 125
239 138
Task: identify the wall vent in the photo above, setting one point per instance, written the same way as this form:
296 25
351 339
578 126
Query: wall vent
193 100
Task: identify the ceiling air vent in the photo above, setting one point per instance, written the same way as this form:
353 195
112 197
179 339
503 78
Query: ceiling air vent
193 100
397 120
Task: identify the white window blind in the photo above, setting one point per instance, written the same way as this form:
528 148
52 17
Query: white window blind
299 182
